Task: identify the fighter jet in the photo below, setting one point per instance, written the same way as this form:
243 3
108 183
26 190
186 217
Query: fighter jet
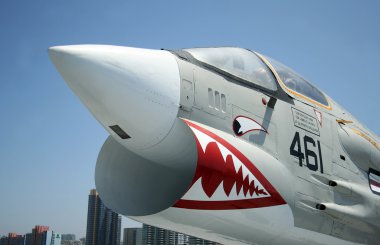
226 144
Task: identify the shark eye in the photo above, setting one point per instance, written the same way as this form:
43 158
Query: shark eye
236 127
243 125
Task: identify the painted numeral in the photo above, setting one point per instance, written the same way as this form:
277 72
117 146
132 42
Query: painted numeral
297 153
312 159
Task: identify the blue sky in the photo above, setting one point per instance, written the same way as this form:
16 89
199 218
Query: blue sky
49 141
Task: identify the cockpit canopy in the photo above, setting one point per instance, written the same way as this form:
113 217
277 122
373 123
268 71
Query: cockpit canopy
238 62
295 82
248 66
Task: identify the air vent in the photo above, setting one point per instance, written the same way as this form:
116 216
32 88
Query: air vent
332 183
119 131
320 206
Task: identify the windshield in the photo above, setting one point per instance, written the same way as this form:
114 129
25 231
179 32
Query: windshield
238 62
295 82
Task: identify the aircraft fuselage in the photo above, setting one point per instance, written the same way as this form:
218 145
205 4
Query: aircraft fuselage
226 144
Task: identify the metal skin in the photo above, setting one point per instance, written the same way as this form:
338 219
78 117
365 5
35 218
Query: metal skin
257 167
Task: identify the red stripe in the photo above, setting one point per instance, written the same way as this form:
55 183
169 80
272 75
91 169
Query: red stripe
229 204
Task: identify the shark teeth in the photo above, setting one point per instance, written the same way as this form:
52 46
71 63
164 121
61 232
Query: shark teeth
221 176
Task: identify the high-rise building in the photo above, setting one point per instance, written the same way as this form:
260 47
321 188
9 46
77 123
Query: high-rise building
182 239
132 236
198 241
29 239
15 239
37 233
157 236
113 227
50 238
4 240
41 235
103 225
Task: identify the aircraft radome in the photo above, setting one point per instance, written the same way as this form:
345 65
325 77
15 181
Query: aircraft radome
226 144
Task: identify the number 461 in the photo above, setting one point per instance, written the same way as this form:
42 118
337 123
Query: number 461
309 145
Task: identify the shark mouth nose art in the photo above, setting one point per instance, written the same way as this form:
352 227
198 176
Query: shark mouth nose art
225 179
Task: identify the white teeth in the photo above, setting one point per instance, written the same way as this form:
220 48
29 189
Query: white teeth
219 193
225 152
250 178
233 194
237 163
196 192
203 139
245 172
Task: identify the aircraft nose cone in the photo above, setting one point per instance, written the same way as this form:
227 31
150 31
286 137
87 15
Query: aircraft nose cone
133 92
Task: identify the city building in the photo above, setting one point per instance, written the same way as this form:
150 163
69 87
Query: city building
4 240
103 225
75 242
68 237
12 239
41 235
15 239
157 236
198 241
182 239
83 240
132 236
29 239
50 238
37 233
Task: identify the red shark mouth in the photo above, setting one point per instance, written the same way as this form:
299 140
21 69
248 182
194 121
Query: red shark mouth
225 179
